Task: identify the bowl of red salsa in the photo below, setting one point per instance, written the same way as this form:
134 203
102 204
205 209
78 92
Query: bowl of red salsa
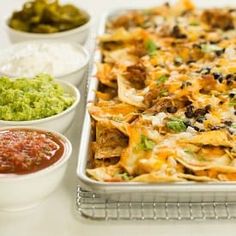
32 164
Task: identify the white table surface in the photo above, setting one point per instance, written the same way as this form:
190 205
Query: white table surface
56 216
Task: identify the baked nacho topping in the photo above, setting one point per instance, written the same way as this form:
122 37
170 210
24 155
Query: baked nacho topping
166 105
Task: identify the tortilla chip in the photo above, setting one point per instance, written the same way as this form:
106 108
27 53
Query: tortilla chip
156 178
198 166
106 75
213 138
115 56
118 35
109 141
196 178
131 156
227 177
128 94
120 112
105 174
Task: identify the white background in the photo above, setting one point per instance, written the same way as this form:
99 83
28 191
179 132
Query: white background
56 216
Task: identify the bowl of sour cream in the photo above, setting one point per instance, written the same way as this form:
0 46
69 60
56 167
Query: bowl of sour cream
63 60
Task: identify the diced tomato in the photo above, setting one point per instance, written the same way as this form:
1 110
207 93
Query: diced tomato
25 151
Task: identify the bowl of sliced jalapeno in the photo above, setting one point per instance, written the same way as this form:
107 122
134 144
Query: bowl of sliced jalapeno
48 19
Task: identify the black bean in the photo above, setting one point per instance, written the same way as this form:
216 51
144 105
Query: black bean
231 95
200 119
171 109
196 46
217 75
185 84
187 123
214 41
190 61
220 79
229 76
228 122
176 32
221 103
178 61
219 52
207 108
231 132
229 82
205 70
187 103
197 129
200 112
189 112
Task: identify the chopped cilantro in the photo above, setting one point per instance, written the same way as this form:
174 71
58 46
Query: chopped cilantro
201 158
232 103
125 176
207 48
194 23
117 119
233 126
151 47
188 151
163 92
176 124
178 61
146 144
162 79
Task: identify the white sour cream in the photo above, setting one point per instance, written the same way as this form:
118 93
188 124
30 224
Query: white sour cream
30 59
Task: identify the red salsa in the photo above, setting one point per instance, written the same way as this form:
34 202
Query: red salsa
24 151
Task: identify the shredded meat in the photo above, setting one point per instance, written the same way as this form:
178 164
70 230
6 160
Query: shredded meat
139 49
160 106
217 18
136 75
167 104
151 96
109 141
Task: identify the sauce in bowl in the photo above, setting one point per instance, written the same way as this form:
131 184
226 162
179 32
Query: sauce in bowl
24 151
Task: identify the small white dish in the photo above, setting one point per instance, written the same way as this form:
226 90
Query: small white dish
78 35
58 123
20 192
30 58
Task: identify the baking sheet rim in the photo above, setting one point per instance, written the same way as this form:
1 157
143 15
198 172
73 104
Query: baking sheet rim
127 187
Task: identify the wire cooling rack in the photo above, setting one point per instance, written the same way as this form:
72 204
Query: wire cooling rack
96 207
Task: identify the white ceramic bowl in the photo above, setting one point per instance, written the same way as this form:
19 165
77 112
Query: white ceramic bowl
74 77
60 122
78 35
19 192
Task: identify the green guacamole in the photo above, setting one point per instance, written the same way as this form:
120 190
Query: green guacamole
31 99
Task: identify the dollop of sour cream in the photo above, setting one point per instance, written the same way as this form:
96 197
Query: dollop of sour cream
29 60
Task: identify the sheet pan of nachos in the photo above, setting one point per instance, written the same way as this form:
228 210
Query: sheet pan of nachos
164 109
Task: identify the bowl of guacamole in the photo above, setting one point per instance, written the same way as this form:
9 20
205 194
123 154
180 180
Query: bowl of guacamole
40 101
